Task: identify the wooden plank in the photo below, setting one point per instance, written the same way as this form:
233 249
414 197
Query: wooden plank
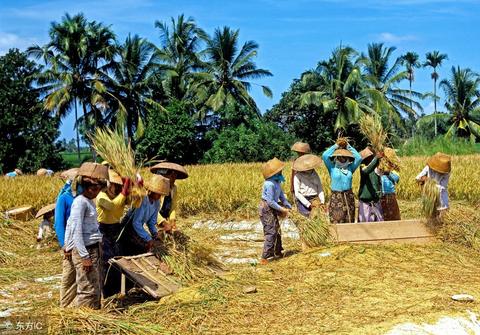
403 231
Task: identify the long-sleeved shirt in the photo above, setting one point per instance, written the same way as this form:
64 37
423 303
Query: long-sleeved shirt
272 193
389 181
308 184
110 211
173 207
146 213
82 226
62 212
341 179
369 190
442 183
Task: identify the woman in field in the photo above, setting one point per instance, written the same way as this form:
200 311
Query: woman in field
341 160
300 148
307 186
369 208
83 236
110 207
273 204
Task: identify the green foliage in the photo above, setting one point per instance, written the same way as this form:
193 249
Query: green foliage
170 134
421 146
27 132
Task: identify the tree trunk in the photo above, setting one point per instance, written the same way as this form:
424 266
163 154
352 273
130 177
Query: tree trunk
76 127
411 104
87 131
435 103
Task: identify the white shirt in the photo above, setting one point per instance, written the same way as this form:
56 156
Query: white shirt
442 184
308 184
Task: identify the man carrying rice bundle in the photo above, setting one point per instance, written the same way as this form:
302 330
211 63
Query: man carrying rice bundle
301 149
369 208
110 207
438 168
83 237
167 213
341 160
270 209
307 185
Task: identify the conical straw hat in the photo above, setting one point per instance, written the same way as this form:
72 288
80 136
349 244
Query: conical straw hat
342 153
301 147
69 174
45 210
180 170
440 162
307 162
366 153
42 172
93 170
272 167
158 184
114 177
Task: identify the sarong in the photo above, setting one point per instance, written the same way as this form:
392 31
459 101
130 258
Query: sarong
342 207
271 230
369 211
391 211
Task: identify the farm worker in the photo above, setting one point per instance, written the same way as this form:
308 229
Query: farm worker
270 209
341 160
307 185
110 207
135 239
14 173
438 168
168 211
301 149
389 179
83 236
44 229
369 208
44 172
63 205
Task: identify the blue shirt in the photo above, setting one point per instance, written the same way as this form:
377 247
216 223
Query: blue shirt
341 180
272 193
388 182
146 213
11 174
62 212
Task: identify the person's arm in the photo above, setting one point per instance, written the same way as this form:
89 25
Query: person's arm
77 215
269 188
283 199
370 167
138 217
357 158
298 195
424 173
152 221
321 194
173 211
394 177
60 220
326 157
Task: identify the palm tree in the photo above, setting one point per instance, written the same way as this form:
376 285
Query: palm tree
380 76
410 60
338 87
76 49
462 94
227 71
434 60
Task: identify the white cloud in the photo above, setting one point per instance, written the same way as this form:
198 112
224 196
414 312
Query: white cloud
392 38
9 40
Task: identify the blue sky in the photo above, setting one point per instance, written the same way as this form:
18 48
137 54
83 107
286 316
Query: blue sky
293 34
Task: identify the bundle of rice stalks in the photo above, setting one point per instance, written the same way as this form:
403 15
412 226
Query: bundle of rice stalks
314 230
113 148
342 142
371 127
430 198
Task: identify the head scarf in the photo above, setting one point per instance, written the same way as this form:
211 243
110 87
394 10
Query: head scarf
278 178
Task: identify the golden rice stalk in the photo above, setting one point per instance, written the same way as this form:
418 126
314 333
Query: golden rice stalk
430 198
371 127
342 142
314 230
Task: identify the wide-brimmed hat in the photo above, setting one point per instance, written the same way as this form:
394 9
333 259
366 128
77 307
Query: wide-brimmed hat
272 167
42 172
69 174
18 171
440 162
114 177
342 153
307 162
163 167
301 147
366 153
45 210
158 184
93 170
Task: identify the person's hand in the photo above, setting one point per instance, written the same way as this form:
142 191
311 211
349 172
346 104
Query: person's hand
126 186
422 180
380 154
284 212
150 245
87 265
67 255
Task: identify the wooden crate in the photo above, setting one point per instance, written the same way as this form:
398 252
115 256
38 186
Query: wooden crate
403 231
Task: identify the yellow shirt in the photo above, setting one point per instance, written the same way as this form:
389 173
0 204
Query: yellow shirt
172 216
110 210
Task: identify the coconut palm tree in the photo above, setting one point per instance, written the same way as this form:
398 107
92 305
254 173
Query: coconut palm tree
72 57
434 60
410 60
227 71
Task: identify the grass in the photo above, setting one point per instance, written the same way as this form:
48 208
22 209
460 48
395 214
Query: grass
419 146
71 158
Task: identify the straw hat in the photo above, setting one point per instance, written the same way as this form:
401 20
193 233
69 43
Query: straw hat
45 210
163 167
307 162
272 167
366 153
440 162
93 170
42 172
158 184
114 177
69 174
342 153
301 147
18 171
